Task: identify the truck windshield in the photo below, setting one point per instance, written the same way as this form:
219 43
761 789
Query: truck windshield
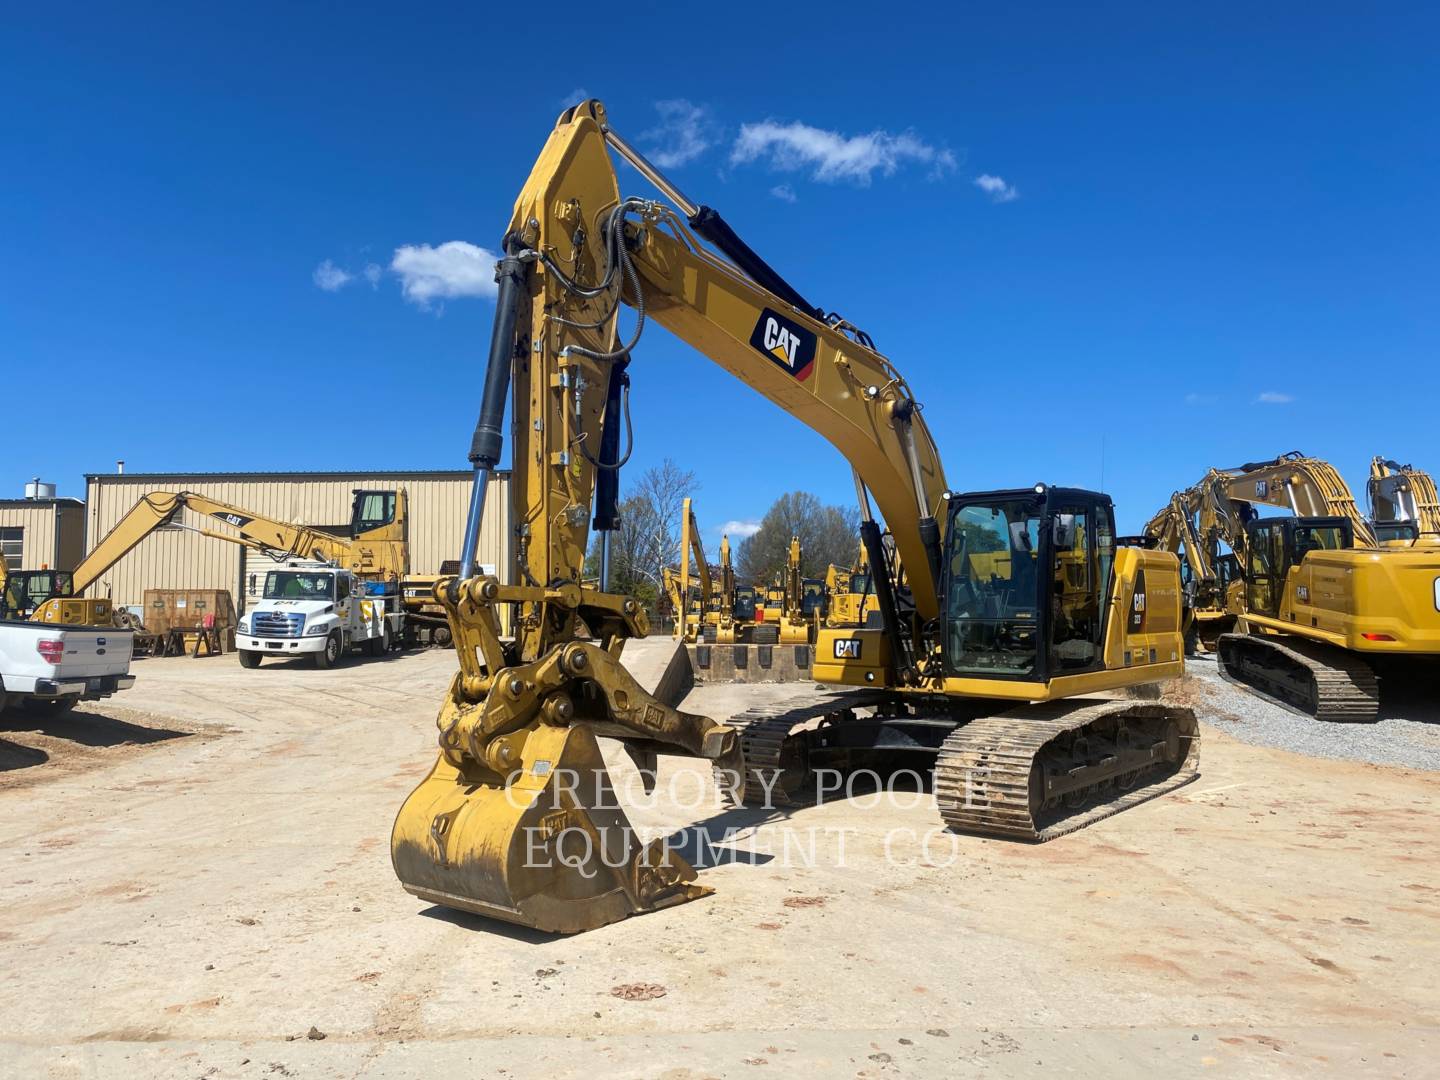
299 585
993 588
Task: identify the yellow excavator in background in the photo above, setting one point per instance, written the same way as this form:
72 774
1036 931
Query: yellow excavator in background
1404 505
376 550
802 601
1317 602
692 603
1021 607
735 607
851 599
1209 576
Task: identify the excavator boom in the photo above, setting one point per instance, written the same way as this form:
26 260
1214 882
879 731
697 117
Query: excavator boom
1402 495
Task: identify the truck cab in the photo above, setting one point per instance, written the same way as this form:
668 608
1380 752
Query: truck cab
318 610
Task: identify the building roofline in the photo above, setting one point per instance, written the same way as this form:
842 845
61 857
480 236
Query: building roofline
331 474
67 500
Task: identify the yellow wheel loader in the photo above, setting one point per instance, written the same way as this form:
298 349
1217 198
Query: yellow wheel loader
997 666
1317 602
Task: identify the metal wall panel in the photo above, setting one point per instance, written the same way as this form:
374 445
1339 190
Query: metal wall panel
52 532
179 559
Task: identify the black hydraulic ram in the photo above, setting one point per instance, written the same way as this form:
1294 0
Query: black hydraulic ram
486 443
607 478
714 228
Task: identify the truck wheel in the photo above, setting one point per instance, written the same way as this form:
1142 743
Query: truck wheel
381 645
440 636
249 659
331 655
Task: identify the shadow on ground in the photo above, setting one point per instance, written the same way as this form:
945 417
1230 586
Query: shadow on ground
85 728
15 756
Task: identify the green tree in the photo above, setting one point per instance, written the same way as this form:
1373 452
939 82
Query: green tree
828 534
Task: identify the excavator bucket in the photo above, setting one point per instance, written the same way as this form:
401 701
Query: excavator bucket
547 846
519 819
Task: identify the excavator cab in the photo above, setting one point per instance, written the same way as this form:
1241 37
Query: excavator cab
1405 532
1278 544
746 602
1025 582
371 510
27 590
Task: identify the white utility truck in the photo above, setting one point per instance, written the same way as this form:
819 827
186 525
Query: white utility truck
45 666
321 610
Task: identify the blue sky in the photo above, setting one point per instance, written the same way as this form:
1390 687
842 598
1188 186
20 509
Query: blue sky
1197 235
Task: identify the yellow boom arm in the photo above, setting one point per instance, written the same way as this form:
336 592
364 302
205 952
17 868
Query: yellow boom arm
378 553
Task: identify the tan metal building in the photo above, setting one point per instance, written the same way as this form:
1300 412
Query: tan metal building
177 558
37 534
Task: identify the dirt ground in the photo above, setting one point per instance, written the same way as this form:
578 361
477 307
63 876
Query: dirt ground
195 882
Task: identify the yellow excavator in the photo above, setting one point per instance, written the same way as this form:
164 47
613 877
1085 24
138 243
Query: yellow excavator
375 549
692 602
998 663
802 601
735 606
1209 575
1317 602
1404 506
851 599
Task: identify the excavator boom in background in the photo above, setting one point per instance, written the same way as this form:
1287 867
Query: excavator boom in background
1020 605
691 594
1316 601
1404 505
375 549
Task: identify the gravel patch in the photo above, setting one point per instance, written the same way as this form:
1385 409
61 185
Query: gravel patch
1408 733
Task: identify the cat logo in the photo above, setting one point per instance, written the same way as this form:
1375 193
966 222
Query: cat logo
232 519
1262 489
847 648
789 345
1137 604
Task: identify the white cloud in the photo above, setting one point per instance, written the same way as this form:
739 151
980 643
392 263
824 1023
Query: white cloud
574 97
330 277
372 274
740 530
783 192
996 187
1200 399
683 134
831 157
1274 397
445 272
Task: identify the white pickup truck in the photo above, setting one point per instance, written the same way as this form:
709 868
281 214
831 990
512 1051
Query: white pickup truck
46 665
318 610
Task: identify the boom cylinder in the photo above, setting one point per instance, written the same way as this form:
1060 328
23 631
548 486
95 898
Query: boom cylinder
488 440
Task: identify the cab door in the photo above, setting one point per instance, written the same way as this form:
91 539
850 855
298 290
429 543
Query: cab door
1265 568
1082 549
